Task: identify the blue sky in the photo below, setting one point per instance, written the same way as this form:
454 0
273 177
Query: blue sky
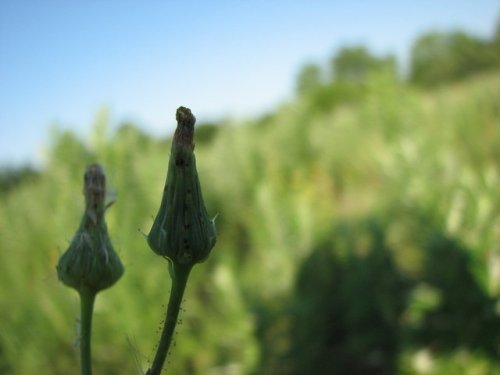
61 61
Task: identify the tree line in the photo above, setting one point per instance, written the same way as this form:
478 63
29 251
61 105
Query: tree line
436 58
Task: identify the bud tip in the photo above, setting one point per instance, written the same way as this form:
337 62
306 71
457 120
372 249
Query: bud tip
184 133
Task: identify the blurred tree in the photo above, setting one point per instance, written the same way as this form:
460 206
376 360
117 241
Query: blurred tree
347 306
496 43
351 69
327 97
496 37
12 177
205 133
129 129
444 57
309 79
465 316
354 64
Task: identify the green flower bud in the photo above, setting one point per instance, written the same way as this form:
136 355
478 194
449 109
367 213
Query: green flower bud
90 261
182 231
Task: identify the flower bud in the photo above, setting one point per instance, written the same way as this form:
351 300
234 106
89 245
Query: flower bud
90 261
182 230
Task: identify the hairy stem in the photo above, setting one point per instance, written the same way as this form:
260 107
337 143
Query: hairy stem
87 298
180 276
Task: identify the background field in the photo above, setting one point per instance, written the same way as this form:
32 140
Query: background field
356 236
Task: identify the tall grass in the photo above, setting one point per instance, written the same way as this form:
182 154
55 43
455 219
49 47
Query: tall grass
419 164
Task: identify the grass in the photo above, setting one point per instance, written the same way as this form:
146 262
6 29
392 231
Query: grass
420 163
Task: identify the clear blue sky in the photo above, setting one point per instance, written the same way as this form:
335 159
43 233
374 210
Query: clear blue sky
60 61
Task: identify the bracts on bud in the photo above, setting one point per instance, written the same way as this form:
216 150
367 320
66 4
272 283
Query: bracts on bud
90 261
182 231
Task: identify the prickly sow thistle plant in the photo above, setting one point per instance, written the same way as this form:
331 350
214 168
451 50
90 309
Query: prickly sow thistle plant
90 264
182 232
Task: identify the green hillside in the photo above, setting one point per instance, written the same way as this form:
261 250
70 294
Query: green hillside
359 239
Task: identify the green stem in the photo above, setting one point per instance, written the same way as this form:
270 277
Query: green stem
87 298
179 280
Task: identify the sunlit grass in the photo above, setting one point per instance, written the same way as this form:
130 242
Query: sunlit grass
420 162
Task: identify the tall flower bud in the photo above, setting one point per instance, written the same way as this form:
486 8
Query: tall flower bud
91 262
182 231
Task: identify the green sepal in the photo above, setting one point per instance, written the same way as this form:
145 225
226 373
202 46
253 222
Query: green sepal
90 261
182 230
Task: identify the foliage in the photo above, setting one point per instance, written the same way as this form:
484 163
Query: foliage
438 58
309 79
347 306
350 70
354 64
11 177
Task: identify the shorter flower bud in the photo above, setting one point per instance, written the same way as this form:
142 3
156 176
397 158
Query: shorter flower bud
182 231
90 261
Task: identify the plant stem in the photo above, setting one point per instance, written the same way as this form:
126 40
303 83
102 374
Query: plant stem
179 280
87 298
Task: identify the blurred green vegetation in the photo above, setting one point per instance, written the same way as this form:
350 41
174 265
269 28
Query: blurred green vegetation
358 234
11 177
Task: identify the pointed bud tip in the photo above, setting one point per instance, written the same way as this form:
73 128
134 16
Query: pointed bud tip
94 189
94 179
90 261
184 117
184 133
